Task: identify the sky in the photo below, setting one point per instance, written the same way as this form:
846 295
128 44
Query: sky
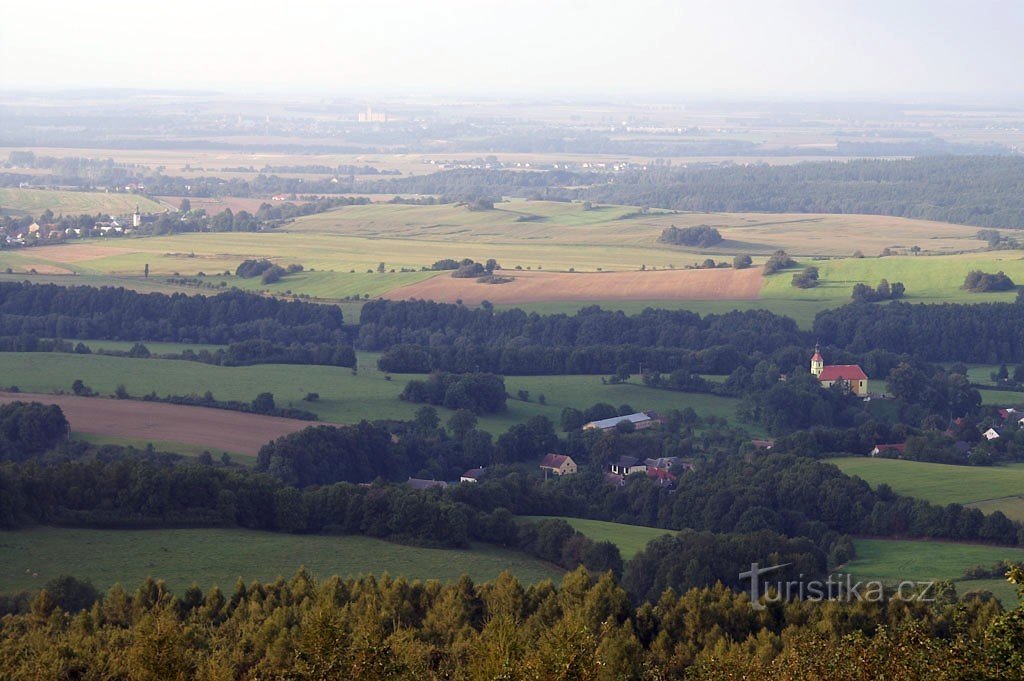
778 49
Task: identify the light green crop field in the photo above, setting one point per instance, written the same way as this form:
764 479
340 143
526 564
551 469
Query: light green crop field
893 561
155 347
631 539
35 201
929 279
219 557
989 488
340 246
344 397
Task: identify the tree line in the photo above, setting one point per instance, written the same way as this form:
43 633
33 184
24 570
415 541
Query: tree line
52 311
377 628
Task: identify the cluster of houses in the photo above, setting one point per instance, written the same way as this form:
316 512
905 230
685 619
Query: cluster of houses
663 470
111 226
1008 417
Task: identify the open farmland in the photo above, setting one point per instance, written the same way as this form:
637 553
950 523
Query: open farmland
218 429
550 222
344 397
631 539
995 488
532 287
220 556
35 201
893 561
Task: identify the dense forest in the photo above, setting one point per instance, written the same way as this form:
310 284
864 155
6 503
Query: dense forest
51 311
974 190
981 332
369 629
419 336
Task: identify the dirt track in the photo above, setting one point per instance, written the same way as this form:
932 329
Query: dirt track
218 429
533 287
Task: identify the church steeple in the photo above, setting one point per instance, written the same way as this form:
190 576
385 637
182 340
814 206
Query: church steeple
817 361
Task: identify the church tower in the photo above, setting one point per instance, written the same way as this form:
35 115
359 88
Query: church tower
817 362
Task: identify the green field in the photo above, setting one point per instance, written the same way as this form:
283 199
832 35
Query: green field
893 561
183 448
987 488
929 279
34 201
631 539
341 245
218 556
344 397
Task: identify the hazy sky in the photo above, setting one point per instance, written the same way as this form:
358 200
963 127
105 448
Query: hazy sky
762 48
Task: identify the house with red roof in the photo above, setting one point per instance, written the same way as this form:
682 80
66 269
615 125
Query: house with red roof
892 451
559 464
849 374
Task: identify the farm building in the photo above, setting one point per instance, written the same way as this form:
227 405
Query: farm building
558 464
895 450
473 475
627 465
851 374
640 420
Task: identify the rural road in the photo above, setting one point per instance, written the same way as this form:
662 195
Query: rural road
217 429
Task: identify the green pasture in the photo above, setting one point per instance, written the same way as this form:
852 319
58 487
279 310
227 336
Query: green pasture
631 539
989 489
34 201
936 482
344 397
893 561
219 557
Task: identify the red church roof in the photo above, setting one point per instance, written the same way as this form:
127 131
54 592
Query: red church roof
846 372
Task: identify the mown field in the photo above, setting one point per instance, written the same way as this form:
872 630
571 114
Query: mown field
34 201
893 561
344 397
344 248
631 539
988 488
219 557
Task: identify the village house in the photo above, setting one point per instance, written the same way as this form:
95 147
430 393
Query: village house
628 465
640 421
850 374
558 464
991 434
662 477
473 475
889 451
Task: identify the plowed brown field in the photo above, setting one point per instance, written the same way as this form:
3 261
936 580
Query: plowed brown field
532 287
218 429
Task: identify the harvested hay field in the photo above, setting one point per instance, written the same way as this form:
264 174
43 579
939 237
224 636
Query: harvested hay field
218 429
79 252
44 268
219 204
534 287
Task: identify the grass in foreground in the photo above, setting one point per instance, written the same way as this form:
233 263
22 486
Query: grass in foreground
631 539
219 556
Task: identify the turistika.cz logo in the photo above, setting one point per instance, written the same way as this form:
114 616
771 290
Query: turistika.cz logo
837 587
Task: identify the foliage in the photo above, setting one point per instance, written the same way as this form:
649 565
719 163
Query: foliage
702 236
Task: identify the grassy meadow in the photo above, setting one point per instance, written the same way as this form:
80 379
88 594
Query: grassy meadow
344 397
631 539
894 561
219 557
989 488
35 201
